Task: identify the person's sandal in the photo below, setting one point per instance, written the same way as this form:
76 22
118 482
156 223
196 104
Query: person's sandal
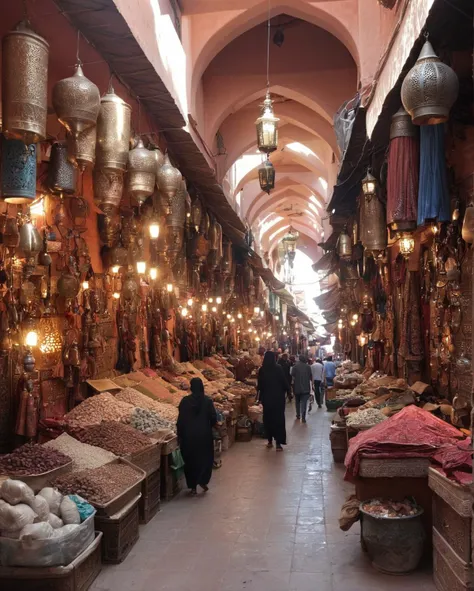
204 487
269 445
279 448
193 492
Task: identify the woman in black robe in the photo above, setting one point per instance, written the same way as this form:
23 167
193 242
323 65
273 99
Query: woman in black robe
197 416
272 390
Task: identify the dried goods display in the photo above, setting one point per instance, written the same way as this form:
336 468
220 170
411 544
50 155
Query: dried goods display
101 485
31 459
83 456
148 421
103 407
117 438
365 418
136 398
388 508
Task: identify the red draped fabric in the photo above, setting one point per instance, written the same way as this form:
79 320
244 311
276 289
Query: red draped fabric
402 180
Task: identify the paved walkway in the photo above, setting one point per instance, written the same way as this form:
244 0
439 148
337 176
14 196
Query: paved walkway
269 523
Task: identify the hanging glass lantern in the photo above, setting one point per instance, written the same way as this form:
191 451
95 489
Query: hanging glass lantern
407 244
429 89
289 240
113 132
18 172
169 181
76 101
141 172
344 245
369 185
266 176
267 127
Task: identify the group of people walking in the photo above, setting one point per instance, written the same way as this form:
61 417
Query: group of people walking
277 381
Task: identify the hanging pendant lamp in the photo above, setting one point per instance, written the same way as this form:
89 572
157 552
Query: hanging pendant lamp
169 181
266 176
141 172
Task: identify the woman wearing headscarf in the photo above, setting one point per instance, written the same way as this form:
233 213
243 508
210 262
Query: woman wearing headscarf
197 416
272 389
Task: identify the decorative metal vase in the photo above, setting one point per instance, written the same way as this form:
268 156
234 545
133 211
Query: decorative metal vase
168 181
81 148
429 89
113 132
108 189
76 101
196 213
24 85
141 172
61 172
344 245
402 125
68 285
18 171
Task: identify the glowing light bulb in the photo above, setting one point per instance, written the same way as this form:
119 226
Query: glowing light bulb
116 295
85 285
154 229
355 317
258 339
169 287
257 310
262 313
228 316
210 300
141 267
249 322
219 300
214 309
277 317
204 307
250 330
115 269
31 339
239 316
232 319
184 312
153 273
190 302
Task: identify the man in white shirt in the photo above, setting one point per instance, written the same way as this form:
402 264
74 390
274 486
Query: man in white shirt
317 372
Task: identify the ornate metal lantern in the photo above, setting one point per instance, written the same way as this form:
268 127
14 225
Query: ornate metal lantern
227 262
81 148
196 213
373 227
108 189
289 241
267 127
175 223
159 159
429 89
76 101
61 172
18 172
266 176
407 244
168 180
369 184
113 132
24 85
141 172
344 245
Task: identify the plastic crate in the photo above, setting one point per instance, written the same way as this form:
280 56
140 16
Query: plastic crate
120 531
170 484
149 504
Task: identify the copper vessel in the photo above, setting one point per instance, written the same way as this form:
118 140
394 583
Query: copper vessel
113 132
373 228
68 285
141 172
81 148
61 172
429 89
196 213
76 101
108 189
24 85
168 180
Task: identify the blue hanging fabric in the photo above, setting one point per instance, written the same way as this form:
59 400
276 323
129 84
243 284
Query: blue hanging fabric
433 195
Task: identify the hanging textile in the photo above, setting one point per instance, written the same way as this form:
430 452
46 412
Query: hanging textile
402 173
411 339
433 195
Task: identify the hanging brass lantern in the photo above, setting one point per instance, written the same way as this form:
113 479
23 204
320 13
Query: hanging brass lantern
266 176
18 172
108 189
369 184
31 242
159 159
76 101
175 223
344 245
429 89
402 125
196 213
407 244
168 181
113 132
141 172
219 241
213 234
24 85
267 127
68 285
61 172
81 148
227 263
468 224
289 241
373 228
205 224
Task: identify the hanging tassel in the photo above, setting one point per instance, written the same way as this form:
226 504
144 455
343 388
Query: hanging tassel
433 195
402 183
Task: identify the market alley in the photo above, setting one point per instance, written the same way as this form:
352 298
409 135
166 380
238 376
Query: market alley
269 523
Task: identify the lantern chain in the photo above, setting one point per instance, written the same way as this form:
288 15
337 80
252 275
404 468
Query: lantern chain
268 44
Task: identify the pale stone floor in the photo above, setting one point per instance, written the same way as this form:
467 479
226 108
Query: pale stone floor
268 523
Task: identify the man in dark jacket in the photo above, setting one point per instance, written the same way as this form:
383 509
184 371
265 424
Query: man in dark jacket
285 364
301 373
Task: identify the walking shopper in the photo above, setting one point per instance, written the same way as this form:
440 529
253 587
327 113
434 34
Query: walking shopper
272 388
317 373
285 364
301 373
197 416
329 371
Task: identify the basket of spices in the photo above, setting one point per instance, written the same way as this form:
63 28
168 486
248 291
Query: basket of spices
35 465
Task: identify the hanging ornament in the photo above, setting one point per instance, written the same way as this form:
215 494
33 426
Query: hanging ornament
141 172
159 159
76 101
267 127
68 285
81 148
196 214
344 245
108 189
429 89
266 176
373 229
24 85
61 172
18 172
168 181
113 132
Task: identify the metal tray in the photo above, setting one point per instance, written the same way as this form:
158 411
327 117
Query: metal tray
39 481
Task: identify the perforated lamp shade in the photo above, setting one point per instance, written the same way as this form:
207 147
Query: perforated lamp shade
267 127
266 176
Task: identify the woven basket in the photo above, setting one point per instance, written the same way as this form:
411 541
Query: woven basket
397 468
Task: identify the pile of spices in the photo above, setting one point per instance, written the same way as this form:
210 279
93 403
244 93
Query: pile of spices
136 398
365 418
388 508
83 456
101 485
31 459
148 421
103 407
117 438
